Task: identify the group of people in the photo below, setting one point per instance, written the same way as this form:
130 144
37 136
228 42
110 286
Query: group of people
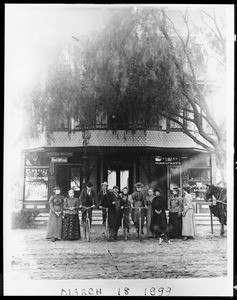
63 222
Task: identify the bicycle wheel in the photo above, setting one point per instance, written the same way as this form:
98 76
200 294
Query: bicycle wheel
84 228
140 226
107 228
125 235
88 229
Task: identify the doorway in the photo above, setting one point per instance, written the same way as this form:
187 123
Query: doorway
118 177
68 177
118 171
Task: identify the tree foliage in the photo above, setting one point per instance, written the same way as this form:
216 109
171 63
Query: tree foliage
140 67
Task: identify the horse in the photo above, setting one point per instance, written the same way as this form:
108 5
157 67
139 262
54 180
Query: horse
220 208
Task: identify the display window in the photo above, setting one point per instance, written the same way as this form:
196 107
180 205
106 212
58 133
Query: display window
36 184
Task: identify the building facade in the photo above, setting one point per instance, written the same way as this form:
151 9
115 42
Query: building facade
158 156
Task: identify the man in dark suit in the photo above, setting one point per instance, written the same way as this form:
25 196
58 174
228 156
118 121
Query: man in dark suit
87 199
103 199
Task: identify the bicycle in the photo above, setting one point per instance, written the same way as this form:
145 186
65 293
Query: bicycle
107 223
86 223
124 229
140 221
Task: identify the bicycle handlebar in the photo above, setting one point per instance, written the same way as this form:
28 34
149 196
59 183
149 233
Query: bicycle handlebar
87 207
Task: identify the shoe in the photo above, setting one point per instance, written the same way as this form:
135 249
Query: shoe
53 240
185 238
168 241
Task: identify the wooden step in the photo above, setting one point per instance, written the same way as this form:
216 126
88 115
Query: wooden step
200 218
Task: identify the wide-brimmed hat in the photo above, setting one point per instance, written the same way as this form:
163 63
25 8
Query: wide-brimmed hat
104 183
89 184
57 187
139 184
115 187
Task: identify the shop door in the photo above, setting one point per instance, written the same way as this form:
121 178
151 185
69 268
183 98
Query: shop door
67 177
118 171
62 178
161 179
118 177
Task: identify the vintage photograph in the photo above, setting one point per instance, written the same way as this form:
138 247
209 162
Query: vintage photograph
118 150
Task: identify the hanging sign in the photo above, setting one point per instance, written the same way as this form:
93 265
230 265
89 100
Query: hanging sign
59 154
167 160
59 159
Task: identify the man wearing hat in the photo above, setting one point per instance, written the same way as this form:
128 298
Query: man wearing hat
103 199
138 201
114 213
88 199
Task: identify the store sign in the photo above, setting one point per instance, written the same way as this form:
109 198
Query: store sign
58 159
59 154
167 160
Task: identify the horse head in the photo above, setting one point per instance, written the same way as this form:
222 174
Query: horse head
209 192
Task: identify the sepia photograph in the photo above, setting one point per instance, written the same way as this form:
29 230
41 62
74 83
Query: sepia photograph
118 150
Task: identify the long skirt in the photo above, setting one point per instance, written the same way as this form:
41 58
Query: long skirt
175 225
126 214
148 221
189 226
113 231
159 224
54 226
71 227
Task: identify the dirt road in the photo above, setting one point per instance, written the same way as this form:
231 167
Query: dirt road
34 257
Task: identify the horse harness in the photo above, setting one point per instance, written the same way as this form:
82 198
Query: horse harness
225 197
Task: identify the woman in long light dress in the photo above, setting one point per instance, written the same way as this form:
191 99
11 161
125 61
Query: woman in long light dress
54 226
188 222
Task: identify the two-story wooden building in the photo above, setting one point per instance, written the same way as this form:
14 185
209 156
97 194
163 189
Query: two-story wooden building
158 155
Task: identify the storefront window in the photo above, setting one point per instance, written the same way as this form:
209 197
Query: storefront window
36 184
174 177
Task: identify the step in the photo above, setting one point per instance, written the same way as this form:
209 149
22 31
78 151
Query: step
200 218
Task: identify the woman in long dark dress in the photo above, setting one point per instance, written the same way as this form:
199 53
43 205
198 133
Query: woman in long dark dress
148 202
71 226
159 225
54 226
175 214
126 207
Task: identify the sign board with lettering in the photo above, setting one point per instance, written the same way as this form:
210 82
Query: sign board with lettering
59 154
167 160
59 160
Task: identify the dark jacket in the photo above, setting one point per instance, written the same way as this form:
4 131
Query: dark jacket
103 199
158 221
114 210
87 200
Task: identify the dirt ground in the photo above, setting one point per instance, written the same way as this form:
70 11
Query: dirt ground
34 257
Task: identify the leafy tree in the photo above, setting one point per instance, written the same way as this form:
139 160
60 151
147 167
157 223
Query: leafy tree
138 68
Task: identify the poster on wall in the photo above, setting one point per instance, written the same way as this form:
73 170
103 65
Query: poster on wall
36 191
